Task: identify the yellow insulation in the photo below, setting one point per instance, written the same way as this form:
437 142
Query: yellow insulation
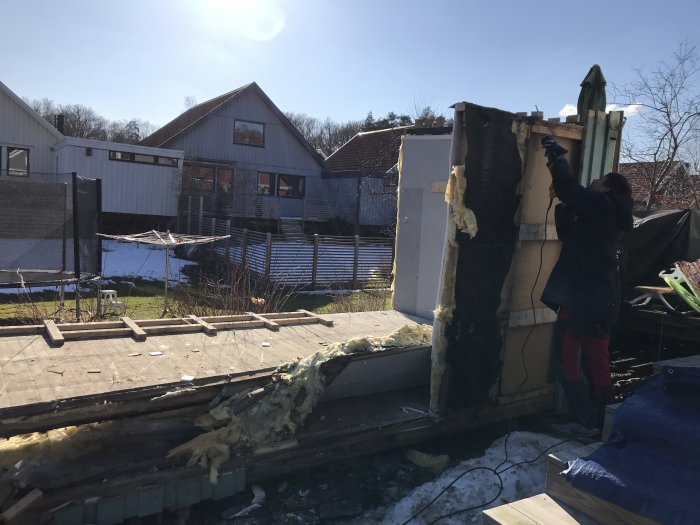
463 217
297 388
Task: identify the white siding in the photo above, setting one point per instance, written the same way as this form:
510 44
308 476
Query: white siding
19 128
127 187
212 139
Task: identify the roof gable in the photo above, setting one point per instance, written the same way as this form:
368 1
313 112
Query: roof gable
184 122
33 114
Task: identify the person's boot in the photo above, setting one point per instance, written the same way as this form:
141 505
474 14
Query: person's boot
579 402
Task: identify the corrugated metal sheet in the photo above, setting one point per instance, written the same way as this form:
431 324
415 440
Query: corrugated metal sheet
19 128
127 187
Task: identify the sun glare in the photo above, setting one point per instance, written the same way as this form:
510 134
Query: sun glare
259 20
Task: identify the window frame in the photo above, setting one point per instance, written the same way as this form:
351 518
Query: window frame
277 186
172 162
272 186
235 125
8 149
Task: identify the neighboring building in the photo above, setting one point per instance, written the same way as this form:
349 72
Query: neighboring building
363 175
681 190
140 185
244 159
26 139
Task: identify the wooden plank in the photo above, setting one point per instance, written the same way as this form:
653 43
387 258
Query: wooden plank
239 325
22 330
297 321
90 334
536 510
138 333
171 329
23 504
209 329
74 327
525 267
161 322
226 318
284 315
53 332
324 322
270 324
559 130
592 506
526 318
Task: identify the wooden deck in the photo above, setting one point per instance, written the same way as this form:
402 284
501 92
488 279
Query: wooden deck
33 371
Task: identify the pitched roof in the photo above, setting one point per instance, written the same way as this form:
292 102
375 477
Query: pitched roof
193 115
22 104
681 193
188 118
369 151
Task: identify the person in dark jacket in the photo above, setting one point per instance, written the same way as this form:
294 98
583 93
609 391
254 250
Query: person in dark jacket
584 287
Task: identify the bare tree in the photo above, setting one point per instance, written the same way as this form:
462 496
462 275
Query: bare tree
190 102
326 136
667 126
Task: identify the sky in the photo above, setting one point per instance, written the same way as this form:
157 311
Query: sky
332 58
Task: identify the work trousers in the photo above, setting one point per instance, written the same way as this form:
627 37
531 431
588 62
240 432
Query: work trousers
585 402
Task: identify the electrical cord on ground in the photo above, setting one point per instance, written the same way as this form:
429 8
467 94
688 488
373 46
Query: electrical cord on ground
520 386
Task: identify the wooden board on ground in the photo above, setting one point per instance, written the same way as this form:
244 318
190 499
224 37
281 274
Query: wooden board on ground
536 510
33 371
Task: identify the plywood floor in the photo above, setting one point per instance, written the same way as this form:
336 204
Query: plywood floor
31 371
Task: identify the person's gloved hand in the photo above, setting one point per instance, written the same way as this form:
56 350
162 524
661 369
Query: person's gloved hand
552 149
552 193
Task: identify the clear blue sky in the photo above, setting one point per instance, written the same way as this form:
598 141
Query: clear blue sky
337 58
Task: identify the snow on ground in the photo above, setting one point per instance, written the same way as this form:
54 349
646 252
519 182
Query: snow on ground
123 259
477 487
126 259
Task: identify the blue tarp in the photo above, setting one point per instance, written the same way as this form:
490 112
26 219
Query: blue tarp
651 466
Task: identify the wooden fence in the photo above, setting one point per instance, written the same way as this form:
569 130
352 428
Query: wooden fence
310 261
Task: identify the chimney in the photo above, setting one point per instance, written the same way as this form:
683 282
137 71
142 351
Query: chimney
60 122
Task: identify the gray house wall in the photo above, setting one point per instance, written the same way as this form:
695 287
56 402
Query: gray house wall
422 219
127 187
20 128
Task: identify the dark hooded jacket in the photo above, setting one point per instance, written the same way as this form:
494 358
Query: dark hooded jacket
585 280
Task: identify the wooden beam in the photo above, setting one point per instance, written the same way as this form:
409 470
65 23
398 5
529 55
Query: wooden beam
324 322
171 329
570 131
143 323
89 334
22 330
284 315
53 332
297 321
138 333
74 327
225 318
239 325
269 323
10 514
209 329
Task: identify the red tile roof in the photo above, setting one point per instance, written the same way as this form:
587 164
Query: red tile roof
369 151
682 192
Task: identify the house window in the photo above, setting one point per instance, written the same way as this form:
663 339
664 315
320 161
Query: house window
266 183
224 180
249 133
18 162
141 158
198 178
290 186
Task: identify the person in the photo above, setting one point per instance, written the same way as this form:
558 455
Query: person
584 287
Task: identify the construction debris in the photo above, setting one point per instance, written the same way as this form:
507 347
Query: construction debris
274 412
436 463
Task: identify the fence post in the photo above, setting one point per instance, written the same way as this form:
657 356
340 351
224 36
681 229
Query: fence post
314 263
355 261
201 214
213 233
189 214
268 256
244 249
228 241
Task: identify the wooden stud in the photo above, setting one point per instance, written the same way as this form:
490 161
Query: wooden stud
561 131
554 120
324 322
208 328
74 327
537 115
239 325
521 114
270 324
53 332
22 330
91 334
572 119
138 333
21 505
297 321
284 315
